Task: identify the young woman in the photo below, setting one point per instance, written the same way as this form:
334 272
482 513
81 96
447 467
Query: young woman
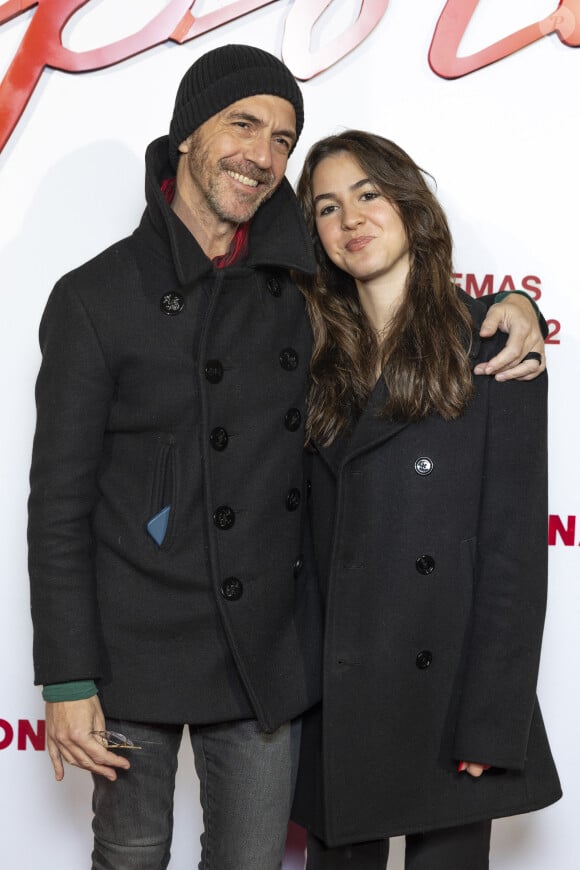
429 510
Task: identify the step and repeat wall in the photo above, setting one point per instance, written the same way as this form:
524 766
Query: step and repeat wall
485 95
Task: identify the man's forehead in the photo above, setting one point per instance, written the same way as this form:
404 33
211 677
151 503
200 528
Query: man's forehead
259 105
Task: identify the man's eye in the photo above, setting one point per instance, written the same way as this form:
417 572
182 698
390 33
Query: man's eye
283 143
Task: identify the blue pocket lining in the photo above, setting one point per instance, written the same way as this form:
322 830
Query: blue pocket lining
157 525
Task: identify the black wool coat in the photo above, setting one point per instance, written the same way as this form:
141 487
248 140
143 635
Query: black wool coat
167 486
431 547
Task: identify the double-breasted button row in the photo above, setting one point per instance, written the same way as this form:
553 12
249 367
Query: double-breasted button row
288 357
219 438
224 516
173 303
425 564
232 588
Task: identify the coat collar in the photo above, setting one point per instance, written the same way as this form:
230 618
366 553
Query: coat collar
278 233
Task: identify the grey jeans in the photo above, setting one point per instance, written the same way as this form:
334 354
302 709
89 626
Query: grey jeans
246 785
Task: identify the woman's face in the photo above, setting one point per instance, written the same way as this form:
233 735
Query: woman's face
360 230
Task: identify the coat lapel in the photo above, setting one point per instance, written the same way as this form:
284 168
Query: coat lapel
370 430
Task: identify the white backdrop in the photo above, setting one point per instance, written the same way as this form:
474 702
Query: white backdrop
503 144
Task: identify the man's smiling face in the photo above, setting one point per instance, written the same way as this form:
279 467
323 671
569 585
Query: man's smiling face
237 158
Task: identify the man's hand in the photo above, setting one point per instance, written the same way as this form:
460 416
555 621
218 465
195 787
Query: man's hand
516 316
68 729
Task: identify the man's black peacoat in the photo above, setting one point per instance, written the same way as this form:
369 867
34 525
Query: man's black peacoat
167 490
431 547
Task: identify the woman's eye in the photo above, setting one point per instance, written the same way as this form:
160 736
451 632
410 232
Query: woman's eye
370 195
328 209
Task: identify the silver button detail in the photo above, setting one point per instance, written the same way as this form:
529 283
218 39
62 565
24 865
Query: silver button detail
424 466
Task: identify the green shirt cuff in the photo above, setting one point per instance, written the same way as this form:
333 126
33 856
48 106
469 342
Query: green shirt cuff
76 690
505 293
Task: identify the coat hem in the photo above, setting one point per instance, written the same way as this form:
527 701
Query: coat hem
403 829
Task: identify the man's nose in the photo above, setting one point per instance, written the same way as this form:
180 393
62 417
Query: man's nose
259 151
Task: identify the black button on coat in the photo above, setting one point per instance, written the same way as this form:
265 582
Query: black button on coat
128 399
424 668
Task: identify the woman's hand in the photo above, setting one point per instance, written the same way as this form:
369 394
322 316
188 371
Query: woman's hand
472 768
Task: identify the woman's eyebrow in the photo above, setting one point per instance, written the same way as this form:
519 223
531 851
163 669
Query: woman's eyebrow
354 186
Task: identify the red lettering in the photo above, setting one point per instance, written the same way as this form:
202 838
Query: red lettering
26 732
554 327
8 737
566 532
42 47
532 284
191 26
507 284
455 18
474 289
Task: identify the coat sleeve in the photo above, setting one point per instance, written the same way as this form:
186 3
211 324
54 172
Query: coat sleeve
74 391
504 640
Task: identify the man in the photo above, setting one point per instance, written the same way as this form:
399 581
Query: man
167 503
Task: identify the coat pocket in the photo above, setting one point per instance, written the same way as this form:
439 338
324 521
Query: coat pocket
467 563
161 518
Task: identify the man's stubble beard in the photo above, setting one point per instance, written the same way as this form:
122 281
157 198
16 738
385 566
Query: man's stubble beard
200 169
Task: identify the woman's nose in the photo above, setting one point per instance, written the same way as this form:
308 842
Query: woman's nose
351 217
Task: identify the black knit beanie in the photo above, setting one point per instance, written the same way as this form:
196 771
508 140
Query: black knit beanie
223 76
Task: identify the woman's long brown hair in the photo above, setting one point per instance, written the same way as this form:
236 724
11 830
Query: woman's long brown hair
424 357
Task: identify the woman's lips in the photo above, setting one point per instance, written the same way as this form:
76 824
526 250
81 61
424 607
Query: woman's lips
358 244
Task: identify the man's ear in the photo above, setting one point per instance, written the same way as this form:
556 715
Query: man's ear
184 146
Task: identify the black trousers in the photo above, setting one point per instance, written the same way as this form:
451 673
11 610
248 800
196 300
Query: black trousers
462 848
